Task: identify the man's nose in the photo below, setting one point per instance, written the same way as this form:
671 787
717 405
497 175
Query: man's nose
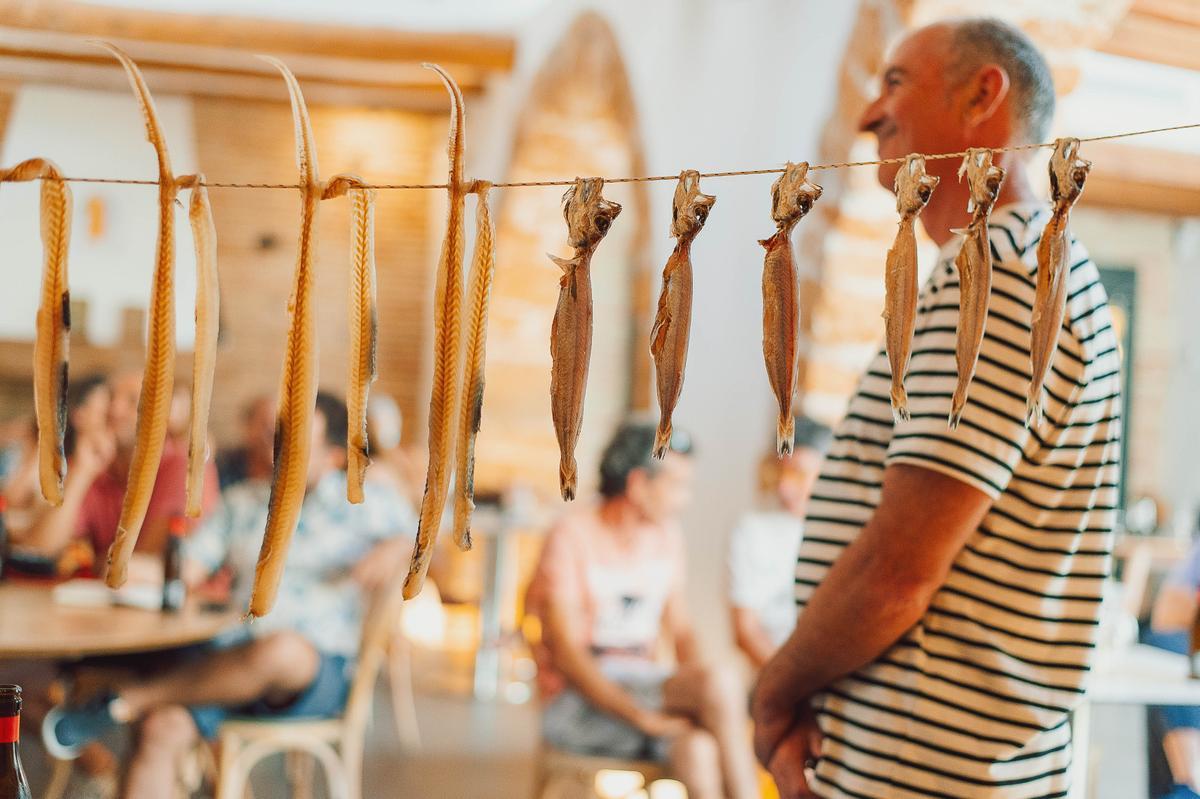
872 115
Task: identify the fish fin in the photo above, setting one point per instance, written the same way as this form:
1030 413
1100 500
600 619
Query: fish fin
955 417
960 231
567 477
785 435
567 264
658 333
662 439
1034 410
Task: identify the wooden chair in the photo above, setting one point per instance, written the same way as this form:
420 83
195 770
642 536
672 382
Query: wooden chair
566 775
337 744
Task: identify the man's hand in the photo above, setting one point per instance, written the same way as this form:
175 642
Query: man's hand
662 725
381 565
794 757
93 454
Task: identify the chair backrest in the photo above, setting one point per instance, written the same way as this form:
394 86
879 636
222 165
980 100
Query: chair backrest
379 625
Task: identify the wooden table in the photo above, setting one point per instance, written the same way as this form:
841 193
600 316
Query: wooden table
32 625
1133 675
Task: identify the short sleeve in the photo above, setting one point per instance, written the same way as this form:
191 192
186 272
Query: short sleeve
385 513
745 591
987 446
1186 573
208 544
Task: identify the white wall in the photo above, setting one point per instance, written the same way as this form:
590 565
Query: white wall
94 134
720 85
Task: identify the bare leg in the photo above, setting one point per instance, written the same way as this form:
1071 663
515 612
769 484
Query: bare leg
163 737
716 700
1182 747
274 667
695 761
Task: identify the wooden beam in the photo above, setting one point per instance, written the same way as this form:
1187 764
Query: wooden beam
1157 39
1186 12
1143 179
257 35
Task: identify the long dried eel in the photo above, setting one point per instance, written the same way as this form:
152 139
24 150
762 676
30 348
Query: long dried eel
792 196
588 216
204 353
447 352
974 263
479 291
1067 176
364 325
158 378
673 321
913 189
50 348
298 386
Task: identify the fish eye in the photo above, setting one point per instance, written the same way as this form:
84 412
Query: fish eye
701 215
805 203
923 192
602 223
1079 175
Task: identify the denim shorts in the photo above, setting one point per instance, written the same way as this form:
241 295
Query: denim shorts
325 697
572 723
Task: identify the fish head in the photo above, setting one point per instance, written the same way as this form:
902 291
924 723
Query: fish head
690 210
1068 172
793 194
914 186
984 179
588 214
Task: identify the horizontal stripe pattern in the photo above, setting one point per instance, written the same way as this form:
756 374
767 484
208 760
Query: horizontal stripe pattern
974 701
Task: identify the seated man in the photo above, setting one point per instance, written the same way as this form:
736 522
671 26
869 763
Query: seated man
251 460
1171 629
96 480
295 661
762 548
608 587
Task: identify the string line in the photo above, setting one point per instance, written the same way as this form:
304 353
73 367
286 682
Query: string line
642 179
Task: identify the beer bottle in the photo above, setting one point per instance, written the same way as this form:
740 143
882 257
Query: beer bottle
12 777
174 589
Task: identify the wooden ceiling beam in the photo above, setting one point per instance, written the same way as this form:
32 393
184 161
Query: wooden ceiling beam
1156 38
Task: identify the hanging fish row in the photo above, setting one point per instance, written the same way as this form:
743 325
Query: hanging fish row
459 343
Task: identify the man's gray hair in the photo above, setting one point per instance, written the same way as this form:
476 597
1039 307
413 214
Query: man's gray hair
985 40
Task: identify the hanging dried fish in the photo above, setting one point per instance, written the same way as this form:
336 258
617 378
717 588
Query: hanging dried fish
364 325
447 354
1067 176
204 353
792 196
298 387
673 321
913 189
50 348
974 263
158 378
588 217
479 289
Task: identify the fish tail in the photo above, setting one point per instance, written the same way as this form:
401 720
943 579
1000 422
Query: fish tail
662 439
568 477
785 437
1034 409
899 404
956 413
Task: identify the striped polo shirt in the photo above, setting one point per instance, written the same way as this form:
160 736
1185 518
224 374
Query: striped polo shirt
973 701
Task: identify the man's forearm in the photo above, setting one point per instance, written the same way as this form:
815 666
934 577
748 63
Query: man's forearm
585 676
751 638
860 610
55 527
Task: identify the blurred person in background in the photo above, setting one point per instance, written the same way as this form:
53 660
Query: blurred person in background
298 660
390 461
251 460
96 483
1170 628
608 590
763 546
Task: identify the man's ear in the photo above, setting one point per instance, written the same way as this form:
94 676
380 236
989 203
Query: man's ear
988 91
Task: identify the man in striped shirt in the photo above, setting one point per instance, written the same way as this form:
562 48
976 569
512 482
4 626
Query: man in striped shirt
950 580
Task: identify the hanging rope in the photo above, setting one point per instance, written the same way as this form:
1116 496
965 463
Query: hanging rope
5 176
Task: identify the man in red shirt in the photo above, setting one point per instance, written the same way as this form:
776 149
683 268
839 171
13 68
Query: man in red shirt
96 479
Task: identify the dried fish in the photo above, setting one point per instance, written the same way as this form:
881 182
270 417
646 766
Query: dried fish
298 387
364 325
479 289
1068 173
974 263
914 187
588 217
50 348
204 353
792 196
158 378
447 355
673 321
